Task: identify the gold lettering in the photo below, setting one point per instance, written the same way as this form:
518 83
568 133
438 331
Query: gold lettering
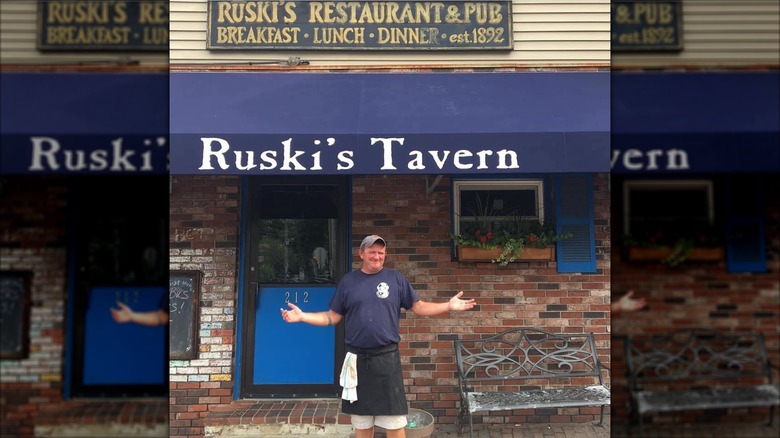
221 35
330 35
289 9
251 12
251 37
79 12
54 13
255 12
257 35
653 13
157 36
495 13
392 13
421 36
315 13
665 14
88 35
120 14
366 16
355 12
224 13
153 12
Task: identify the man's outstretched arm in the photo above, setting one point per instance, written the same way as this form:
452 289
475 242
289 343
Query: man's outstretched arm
424 308
323 319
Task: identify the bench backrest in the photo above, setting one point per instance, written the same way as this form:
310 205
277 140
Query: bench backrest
527 353
696 354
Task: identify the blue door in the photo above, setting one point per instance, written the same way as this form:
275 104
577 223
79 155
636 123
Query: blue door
117 319
296 252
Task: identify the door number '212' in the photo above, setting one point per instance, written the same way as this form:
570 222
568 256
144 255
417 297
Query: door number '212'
294 296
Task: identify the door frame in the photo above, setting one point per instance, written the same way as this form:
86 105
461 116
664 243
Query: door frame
78 288
247 290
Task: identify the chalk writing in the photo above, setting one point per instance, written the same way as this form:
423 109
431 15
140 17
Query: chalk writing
183 287
14 314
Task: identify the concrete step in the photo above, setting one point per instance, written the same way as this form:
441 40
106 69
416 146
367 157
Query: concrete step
280 430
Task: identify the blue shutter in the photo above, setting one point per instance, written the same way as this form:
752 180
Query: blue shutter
746 246
574 214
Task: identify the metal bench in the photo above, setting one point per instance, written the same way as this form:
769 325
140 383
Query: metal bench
698 369
526 368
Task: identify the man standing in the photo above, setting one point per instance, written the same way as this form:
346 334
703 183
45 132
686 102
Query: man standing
370 300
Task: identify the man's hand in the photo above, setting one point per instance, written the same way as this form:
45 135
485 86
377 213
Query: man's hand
628 304
457 304
123 314
293 315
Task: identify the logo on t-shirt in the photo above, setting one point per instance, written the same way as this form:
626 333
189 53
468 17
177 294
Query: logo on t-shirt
382 290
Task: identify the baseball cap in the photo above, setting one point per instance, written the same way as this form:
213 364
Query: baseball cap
372 239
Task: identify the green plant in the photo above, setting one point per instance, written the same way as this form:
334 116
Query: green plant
680 243
512 235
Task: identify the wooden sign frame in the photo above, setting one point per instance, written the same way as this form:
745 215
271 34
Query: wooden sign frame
195 278
23 350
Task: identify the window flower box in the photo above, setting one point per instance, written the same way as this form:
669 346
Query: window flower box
473 254
699 254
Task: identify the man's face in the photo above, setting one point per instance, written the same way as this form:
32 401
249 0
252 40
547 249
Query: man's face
373 258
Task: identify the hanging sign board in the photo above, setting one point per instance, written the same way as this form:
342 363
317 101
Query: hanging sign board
359 25
132 25
646 26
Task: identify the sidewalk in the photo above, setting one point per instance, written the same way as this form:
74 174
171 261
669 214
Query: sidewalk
322 418
568 430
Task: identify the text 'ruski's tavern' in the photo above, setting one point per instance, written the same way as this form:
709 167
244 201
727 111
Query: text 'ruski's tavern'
359 25
218 153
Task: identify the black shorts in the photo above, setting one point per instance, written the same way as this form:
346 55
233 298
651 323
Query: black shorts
380 388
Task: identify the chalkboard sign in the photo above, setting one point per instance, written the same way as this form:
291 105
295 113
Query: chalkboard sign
183 293
646 26
14 314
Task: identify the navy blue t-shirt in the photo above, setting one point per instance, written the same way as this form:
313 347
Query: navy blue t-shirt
371 305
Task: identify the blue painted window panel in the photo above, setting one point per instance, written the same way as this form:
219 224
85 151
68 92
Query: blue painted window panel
746 246
129 353
287 354
574 214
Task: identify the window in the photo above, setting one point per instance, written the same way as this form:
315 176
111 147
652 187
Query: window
480 203
499 204
667 209
296 233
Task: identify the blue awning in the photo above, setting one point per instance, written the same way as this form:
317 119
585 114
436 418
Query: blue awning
68 123
254 123
708 122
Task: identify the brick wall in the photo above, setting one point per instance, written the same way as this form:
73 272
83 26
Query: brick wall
32 220
522 294
700 295
204 236
204 215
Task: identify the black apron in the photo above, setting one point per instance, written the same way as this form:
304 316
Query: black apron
380 388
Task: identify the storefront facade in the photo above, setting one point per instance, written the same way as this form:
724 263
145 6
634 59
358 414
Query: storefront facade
84 218
695 166
279 172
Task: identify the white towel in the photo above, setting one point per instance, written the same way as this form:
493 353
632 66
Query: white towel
348 378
